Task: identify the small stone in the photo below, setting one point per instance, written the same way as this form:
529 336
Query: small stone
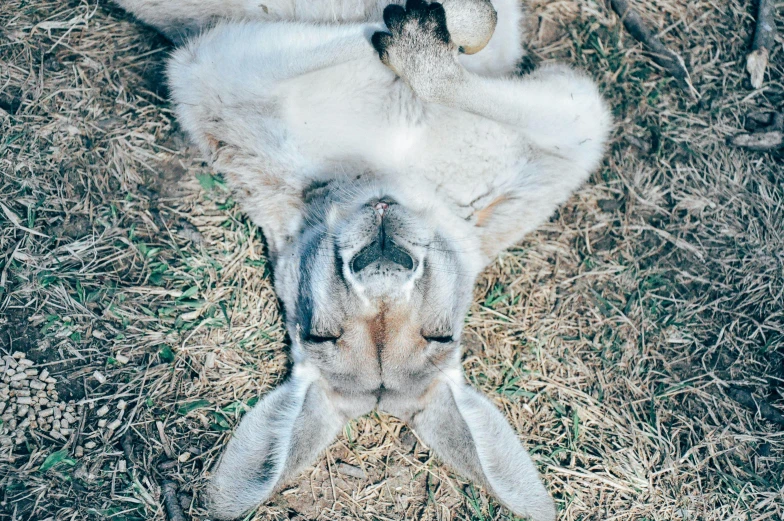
79 452
102 411
64 424
122 358
18 377
121 466
22 392
18 355
46 413
66 432
25 363
10 372
56 424
122 404
44 375
31 372
58 413
22 411
185 456
115 424
99 377
89 445
24 400
69 417
37 385
51 387
102 423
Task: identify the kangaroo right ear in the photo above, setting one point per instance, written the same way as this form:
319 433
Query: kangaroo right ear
281 435
466 431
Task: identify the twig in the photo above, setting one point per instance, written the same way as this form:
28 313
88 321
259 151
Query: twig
127 445
764 37
171 502
767 132
745 398
669 60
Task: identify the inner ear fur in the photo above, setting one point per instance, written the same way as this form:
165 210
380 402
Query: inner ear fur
468 433
280 436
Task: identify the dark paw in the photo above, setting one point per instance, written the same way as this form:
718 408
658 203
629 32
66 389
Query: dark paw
416 18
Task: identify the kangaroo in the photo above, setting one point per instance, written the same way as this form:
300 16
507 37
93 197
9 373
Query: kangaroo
388 154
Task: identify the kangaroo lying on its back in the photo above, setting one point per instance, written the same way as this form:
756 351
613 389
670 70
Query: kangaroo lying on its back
383 187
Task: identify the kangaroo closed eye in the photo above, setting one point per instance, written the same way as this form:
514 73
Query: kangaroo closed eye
440 339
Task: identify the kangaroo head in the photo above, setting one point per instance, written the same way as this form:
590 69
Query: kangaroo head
375 287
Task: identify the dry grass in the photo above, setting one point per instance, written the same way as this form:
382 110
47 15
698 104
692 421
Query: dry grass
610 338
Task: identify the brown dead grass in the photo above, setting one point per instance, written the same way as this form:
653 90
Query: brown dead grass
610 338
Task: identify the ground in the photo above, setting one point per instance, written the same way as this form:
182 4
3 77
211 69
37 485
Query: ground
635 341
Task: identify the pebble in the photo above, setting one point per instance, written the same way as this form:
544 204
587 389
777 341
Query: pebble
122 358
102 411
24 400
22 411
102 423
18 377
115 424
37 385
99 377
79 452
89 445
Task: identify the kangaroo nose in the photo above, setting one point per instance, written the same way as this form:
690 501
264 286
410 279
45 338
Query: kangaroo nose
381 207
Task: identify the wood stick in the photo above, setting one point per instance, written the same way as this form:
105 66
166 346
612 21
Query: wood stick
745 398
660 54
764 38
767 132
171 502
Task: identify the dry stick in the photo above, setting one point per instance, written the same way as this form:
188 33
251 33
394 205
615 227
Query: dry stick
745 398
769 136
170 501
764 37
671 61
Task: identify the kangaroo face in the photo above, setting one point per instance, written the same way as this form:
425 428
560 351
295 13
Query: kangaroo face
375 295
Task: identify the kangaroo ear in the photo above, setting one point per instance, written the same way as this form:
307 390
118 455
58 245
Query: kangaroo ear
281 435
466 431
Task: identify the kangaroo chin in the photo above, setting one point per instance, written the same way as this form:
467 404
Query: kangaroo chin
389 155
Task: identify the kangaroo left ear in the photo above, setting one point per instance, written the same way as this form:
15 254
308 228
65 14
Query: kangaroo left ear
281 435
466 431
